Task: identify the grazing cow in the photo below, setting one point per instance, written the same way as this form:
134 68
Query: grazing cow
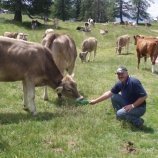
16 35
35 24
91 22
55 23
146 47
22 36
48 31
88 45
32 64
122 41
87 27
116 23
10 34
103 32
64 53
80 28
45 19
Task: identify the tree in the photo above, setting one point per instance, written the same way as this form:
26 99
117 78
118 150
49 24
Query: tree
139 11
30 7
96 9
61 9
77 6
122 9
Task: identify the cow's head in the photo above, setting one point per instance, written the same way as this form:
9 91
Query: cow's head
68 87
136 37
83 56
22 36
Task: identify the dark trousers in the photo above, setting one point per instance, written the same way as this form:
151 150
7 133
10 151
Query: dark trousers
132 116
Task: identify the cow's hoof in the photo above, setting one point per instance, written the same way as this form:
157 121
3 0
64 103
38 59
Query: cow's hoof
45 99
34 113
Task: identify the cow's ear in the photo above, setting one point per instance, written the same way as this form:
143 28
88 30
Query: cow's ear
59 89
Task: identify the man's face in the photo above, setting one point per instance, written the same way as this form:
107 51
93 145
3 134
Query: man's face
122 76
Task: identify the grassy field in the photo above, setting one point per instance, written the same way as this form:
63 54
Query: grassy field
65 130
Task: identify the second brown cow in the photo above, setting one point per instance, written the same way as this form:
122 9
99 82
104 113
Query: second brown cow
146 47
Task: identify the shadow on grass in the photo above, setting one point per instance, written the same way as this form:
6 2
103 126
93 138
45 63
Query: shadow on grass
149 70
126 54
4 145
9 118
146 69
144 128
27 25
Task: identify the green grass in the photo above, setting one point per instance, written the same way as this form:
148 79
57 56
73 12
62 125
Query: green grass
62 129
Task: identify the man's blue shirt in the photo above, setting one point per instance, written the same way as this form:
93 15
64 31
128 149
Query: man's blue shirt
130 91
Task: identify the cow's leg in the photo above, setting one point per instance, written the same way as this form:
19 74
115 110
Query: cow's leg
94 53
116 50
153 59
119 50
30 91
25 97
127 48
145 59
138 56
45 94
89 56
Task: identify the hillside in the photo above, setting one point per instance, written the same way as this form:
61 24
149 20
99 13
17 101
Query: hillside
64 129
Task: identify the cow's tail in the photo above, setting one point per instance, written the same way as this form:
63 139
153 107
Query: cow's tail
117 44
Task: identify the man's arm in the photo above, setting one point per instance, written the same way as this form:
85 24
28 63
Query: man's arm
104 96
137 103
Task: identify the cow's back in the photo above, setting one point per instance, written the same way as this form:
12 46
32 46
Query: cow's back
123 40
89 44
20 60
146 46
63 50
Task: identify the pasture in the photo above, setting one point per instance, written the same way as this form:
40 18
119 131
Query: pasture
64 129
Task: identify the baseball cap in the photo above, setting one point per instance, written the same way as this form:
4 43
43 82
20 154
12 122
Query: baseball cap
121 69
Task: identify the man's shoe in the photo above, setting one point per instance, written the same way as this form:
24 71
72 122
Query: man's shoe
140 125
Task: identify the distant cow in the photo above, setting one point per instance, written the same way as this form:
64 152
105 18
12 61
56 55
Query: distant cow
64 53
32 64
47 32
10 34
35 24
91 22
80 28
103 32
146 47
87 27
16 35
88 45
122 41
22 36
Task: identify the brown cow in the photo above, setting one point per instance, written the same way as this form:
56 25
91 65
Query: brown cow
122 41
64 53
146 47
32 64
